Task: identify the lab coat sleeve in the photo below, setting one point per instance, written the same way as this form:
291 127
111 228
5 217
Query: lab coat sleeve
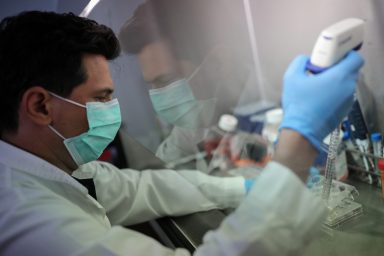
181 142
278 217
37 224
131 196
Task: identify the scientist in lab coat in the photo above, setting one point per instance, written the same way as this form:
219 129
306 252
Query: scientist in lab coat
195 76
58 114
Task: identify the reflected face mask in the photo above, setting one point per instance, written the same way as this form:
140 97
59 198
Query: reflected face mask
172 101
177 105
104 120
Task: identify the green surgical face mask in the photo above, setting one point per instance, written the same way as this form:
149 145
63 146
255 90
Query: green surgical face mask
104 120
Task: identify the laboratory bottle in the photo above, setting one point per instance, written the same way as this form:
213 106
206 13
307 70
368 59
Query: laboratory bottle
272 123
376 139
221 155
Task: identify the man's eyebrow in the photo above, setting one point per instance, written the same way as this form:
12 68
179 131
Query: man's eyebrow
107 91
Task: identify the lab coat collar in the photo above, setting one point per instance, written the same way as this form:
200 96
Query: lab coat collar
24 161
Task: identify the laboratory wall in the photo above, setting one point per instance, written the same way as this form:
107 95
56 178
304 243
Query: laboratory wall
284 29
12 7
8 7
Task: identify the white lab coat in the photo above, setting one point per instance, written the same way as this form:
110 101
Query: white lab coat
44 211
182 142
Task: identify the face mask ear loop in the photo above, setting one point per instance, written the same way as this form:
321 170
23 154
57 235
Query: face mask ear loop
54 130
67 100
198 68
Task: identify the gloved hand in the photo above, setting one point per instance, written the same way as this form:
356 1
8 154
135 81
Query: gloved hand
315 104
248 183
314 177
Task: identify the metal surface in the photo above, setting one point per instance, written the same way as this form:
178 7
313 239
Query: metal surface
361 236
188 231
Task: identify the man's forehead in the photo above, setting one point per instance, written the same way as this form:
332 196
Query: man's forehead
98 73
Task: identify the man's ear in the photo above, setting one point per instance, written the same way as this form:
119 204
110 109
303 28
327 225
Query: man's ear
36 104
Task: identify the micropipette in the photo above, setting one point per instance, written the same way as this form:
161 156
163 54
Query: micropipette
331 46
334 43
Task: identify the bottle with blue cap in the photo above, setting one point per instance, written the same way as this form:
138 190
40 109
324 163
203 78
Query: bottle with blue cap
350 145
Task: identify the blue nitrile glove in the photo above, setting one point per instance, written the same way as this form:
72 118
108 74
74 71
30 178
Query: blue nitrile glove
248 183
314 177
315 104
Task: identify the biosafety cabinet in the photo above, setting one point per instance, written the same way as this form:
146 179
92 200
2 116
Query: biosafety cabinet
232 54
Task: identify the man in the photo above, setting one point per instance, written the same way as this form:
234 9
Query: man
197 72
57 115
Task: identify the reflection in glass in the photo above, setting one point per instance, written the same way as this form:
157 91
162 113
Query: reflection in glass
195 55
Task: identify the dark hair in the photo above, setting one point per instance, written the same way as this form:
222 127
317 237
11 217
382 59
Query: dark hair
46 49
192 27
179 21
139 30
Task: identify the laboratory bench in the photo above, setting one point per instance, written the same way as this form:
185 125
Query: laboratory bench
363 235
